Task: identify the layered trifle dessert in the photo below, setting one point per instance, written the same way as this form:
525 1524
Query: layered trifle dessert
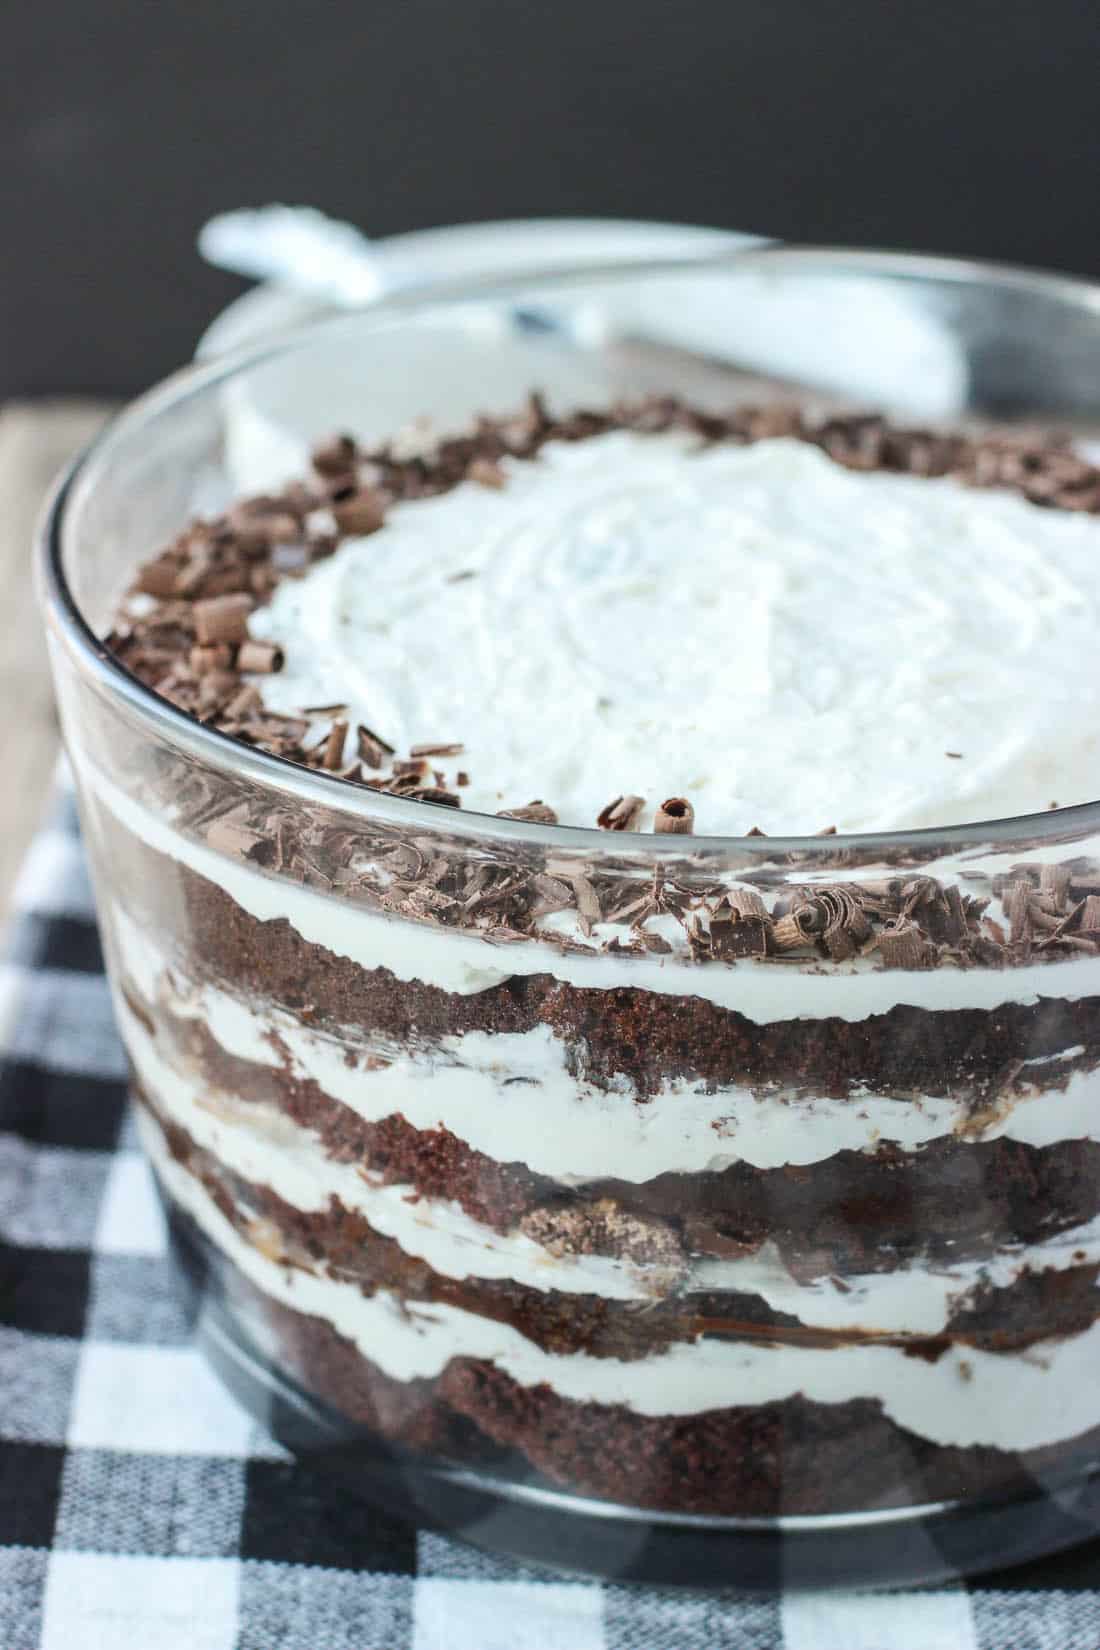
542 1106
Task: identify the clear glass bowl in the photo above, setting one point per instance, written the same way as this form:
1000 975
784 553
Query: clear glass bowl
763 1254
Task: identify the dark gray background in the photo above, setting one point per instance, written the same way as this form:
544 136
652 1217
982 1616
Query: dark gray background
960 126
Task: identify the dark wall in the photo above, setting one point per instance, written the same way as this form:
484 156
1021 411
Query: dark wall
951 125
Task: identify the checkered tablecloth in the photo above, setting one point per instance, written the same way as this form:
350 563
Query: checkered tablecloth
141 1509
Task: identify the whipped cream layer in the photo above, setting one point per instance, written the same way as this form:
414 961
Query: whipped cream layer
266 1147
966 1397
566 1128
790 644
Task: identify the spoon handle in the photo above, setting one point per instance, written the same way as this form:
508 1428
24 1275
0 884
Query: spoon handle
298 248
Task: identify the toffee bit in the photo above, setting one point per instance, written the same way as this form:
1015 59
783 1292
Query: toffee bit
829 830
462 777
756 831
223 618
259 658
538 813
371 748
417 768
333 756
621 814
437 750
675 816
956 756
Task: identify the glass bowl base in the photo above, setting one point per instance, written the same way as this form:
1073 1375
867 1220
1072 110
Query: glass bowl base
523 1516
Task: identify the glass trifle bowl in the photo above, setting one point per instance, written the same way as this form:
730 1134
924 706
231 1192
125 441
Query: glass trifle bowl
717 1208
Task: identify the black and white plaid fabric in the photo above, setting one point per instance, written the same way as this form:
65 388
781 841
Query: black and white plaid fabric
141 1509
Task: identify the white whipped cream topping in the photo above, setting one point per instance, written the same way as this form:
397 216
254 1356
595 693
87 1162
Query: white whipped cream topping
789 644
268 1148
966 1397
464 962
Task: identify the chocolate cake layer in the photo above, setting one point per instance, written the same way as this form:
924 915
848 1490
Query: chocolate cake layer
853 1212
792 1457
1036 1307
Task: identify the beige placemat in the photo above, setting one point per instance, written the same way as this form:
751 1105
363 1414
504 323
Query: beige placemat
36 441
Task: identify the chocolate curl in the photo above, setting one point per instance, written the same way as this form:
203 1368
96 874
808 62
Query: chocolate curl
371 748
622 814
222 618
675 816
259 658
360 514
333 757
245 703
338 456
216 656
539 813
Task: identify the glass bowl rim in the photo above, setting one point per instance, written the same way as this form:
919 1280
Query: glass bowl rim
222 751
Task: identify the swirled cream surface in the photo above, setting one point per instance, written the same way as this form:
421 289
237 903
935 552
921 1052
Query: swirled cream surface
790 644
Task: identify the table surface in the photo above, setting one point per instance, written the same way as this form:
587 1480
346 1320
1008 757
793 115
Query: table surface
36 441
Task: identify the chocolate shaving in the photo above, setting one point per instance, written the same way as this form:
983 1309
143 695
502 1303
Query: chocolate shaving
537 813
259 658
243 704
214 656
333 750
740 925
360 514
455 749
788 933
486 473
1017 903
588 904
622 814
434 793
903 947
1054 881
337 456
371 748
229 835
223 618
675 816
